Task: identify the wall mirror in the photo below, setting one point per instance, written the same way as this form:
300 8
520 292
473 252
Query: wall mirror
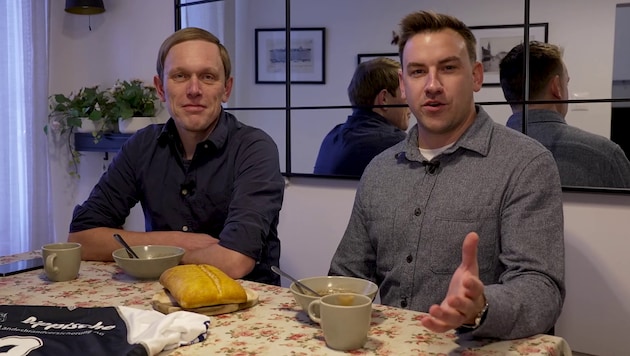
299 115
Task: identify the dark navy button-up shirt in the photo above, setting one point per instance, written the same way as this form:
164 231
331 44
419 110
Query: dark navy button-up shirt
349 147
232 189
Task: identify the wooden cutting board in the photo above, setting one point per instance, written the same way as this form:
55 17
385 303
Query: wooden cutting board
165 303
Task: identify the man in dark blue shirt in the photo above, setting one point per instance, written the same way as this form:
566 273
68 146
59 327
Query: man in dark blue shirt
206 182
372 127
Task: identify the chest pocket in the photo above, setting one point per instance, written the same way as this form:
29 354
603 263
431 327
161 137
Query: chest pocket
447 233
213 201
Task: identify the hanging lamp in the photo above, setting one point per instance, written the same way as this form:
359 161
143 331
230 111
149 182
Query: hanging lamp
85 7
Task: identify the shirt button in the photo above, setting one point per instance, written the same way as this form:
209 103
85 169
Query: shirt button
403 303
409 259
184 191
417 212
205 146
184 228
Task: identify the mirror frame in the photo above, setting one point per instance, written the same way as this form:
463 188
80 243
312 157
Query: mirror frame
178 5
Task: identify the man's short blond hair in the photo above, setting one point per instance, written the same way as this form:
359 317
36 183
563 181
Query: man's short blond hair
191 34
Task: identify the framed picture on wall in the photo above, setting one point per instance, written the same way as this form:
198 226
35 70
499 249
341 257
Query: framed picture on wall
362 57
494 42
307 55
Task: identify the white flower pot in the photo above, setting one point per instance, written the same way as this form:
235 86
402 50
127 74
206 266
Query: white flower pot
87 126
135 123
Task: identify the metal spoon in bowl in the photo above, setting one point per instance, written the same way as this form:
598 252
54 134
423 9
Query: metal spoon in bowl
299 284
130 252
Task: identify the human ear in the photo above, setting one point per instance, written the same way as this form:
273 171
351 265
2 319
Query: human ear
159 87
228 89
381 98
477 74
401 84
555 87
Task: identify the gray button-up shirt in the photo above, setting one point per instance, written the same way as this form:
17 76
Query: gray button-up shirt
409 221
583 158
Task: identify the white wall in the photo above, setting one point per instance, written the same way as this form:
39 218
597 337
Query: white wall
596 314
123 43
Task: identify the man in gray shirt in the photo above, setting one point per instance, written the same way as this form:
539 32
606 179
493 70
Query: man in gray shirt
463 219
583 158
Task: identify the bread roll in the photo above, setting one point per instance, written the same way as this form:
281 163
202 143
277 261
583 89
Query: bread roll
195 286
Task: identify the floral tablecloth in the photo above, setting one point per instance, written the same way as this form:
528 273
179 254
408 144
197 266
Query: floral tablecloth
275 326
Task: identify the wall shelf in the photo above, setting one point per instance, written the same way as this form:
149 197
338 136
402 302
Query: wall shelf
110 142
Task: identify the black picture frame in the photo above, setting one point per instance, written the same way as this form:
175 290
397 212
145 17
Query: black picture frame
493 43
362 57
308 55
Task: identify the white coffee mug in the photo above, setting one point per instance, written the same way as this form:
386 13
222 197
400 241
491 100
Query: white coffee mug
62 260
345 319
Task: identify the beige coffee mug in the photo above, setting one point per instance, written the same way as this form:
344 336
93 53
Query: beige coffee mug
345 319
62 261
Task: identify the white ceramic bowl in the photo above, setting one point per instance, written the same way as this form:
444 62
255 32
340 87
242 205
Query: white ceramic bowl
154 259
332 284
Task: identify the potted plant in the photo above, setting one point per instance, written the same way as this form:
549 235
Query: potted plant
85 111
134 105
67 112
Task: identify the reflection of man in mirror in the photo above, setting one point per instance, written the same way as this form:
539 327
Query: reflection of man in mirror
372 127
462 219
583 158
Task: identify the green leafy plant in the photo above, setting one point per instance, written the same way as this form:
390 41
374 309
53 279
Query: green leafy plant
124 100
133 98
66 111
66 114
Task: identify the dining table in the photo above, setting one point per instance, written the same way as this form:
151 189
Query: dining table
276 325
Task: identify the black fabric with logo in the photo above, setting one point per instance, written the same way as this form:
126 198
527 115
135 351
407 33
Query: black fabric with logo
47 330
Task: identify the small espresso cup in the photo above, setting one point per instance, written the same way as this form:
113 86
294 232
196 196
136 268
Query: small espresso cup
345 319
62 260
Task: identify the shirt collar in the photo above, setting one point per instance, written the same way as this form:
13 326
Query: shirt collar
218 136
535 115
362 113
476 138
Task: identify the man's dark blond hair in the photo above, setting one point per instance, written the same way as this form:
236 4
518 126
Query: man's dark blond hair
191 34
545 62
370 78
429 21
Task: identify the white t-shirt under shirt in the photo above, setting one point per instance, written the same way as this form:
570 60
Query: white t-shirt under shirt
429 154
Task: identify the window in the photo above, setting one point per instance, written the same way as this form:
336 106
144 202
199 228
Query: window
24 204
